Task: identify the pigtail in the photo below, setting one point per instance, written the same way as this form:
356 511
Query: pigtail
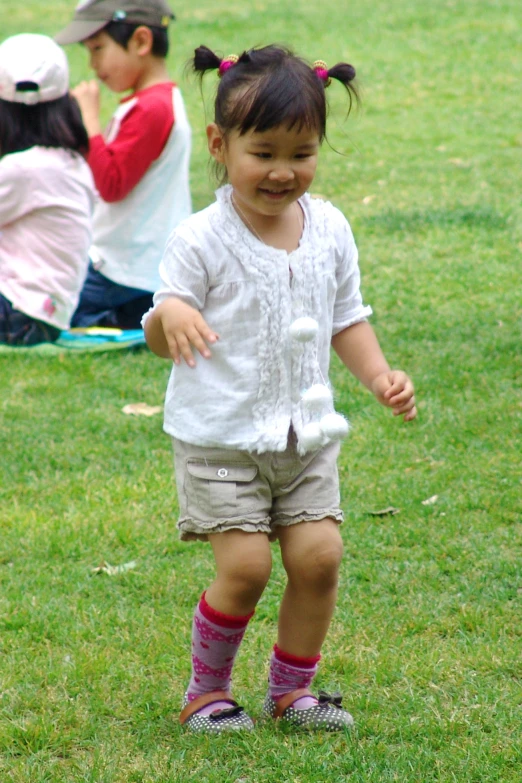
205 60
342 72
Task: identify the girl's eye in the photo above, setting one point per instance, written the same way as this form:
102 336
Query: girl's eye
263 155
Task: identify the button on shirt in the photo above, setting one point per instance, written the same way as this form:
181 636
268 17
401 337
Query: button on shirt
249 393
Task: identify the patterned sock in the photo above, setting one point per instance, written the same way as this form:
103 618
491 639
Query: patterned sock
215 641
289 673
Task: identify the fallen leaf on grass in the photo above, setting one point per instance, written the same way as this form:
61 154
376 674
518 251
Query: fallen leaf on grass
461 164
141 409
384 512
110 570
430 501
368 199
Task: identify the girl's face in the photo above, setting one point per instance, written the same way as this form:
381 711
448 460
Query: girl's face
268 171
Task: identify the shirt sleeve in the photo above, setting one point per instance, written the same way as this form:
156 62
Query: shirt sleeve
349 308
183 273
14 191
117 167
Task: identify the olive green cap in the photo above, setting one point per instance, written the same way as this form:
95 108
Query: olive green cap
91 16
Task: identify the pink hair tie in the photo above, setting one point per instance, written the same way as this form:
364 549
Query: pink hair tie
226 63
321 70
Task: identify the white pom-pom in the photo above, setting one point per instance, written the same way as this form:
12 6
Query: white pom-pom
316 396
304 329
334 426
312 436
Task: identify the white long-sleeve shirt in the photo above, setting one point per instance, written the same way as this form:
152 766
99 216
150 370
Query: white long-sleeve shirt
46 205
247 395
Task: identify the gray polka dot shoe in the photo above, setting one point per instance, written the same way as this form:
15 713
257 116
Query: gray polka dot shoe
232 718
327 714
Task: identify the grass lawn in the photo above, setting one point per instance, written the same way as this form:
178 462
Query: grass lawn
426 642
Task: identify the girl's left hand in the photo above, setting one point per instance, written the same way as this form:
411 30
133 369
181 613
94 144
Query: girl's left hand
395 390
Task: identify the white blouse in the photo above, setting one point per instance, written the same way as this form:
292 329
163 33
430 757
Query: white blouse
249 393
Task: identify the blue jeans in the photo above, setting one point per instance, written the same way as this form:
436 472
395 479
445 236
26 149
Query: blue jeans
17 328
105 303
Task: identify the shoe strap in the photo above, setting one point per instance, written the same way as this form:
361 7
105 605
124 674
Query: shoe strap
288 699
201 701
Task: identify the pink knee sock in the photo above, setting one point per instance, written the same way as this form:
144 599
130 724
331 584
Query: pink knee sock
215 641
290 673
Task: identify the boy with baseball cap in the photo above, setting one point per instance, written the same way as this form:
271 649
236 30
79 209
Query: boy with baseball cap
140 165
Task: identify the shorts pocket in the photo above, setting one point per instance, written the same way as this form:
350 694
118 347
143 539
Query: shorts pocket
219 490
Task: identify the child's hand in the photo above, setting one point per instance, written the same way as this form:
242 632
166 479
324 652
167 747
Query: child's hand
88 96
184 326
395 390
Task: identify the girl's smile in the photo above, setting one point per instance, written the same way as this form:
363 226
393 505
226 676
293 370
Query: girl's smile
275 194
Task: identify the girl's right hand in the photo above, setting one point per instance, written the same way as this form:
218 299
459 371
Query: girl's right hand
183 327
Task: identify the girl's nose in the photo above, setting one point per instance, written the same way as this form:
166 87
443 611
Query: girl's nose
281 173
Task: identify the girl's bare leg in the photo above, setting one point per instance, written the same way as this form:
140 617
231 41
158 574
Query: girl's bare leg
311 553
243 565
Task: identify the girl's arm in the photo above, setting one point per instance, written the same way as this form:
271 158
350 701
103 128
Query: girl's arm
173 326
358 348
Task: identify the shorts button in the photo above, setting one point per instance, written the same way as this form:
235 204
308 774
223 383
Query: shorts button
222 473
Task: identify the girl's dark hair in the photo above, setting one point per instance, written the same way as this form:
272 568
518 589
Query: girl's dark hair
122 32
51 124
275 88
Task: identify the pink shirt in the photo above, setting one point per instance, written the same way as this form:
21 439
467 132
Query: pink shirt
46 205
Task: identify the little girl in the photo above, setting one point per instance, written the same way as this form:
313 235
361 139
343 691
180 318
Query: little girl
46 192
255 435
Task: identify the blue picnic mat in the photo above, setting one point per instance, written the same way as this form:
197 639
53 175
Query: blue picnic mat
93 339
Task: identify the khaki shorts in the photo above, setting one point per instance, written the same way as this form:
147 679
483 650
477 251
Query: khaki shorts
221 489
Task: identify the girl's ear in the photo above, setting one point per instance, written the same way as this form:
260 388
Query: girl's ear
216 142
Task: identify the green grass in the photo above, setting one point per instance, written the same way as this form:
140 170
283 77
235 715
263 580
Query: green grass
426 642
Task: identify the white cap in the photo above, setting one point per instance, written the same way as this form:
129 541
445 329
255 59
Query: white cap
33 69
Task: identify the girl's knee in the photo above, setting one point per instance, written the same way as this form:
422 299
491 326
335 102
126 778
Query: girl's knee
316 564
243 562
322 568
248 575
